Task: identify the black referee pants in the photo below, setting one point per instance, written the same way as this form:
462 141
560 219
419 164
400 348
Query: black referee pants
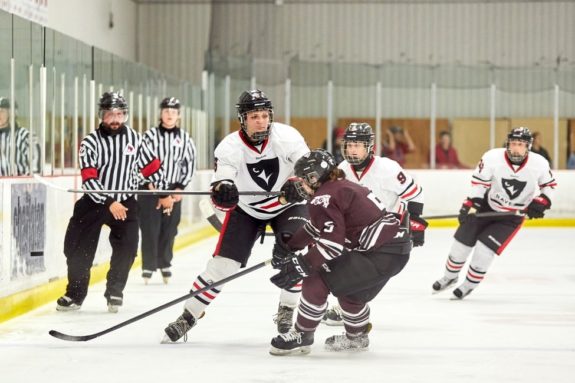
81 242
158 233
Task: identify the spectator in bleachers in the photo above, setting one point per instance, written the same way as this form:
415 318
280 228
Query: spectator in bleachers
336 142
399 144
571 161
445 154
537 148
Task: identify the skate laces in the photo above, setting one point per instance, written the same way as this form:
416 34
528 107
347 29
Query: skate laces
293 335
283 315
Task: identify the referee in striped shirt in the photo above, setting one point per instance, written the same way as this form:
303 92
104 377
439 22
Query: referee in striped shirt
21 143
175 149
111 158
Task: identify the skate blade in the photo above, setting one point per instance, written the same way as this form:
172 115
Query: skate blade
166 340
304 350
330 322
351 350
146 281
166 280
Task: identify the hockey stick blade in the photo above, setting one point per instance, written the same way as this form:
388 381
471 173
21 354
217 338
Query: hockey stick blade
488 214
47 183
168 192
84 338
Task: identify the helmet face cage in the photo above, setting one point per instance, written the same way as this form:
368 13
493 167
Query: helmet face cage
358 132
313 168
519 134
252 101
170 103
112 101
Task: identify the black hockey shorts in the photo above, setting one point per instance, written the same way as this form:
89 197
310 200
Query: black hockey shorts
240 231
362 275
494 232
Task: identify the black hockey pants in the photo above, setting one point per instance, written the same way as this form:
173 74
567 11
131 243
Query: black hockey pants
81 242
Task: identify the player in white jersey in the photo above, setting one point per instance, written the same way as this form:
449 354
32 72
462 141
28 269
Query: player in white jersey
509 179
395 188
258 157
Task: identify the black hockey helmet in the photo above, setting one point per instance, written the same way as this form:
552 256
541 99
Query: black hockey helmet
252 100
358 132
170 103
314 168
111 101
4 103
519 134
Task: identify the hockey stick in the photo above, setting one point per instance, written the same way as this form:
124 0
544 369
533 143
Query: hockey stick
47 183
488 214
166 192
209 214
83 338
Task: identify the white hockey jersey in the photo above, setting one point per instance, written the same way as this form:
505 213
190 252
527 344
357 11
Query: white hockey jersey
263 168
389 182
511 187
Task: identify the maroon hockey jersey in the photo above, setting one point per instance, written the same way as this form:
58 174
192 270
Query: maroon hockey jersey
344 216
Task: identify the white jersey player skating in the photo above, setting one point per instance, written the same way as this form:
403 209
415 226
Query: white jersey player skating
259 157
393 187
507 179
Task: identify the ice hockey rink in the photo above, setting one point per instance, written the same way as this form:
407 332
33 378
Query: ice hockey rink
518 326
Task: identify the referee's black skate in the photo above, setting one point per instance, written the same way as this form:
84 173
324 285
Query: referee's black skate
166 274
284 318
293 342
65 303
180 327
442 284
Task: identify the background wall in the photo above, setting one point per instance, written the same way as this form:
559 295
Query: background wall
89 22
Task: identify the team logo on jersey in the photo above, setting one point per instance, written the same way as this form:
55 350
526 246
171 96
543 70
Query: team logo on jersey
130 150
321 200
265 173
513 187
177 142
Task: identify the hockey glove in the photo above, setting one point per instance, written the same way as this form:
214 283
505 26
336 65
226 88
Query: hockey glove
417 226
281 254
537 207
469 207
289 193
224 195
292 271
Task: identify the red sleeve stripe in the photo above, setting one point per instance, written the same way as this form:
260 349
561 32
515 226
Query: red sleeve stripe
551 184
475 183
88 174
415 189
151 168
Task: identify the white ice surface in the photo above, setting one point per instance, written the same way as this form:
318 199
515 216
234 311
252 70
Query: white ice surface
518 326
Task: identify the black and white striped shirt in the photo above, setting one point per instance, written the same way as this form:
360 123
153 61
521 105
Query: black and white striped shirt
175 149
116 162
22 148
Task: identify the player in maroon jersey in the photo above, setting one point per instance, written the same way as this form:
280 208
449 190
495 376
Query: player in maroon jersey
356 247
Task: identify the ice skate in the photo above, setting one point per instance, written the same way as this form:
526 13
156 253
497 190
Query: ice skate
293 342
65 303
114 304
461 292
166 274
347 342
442 284
180 327
284 318
146 276
333 316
